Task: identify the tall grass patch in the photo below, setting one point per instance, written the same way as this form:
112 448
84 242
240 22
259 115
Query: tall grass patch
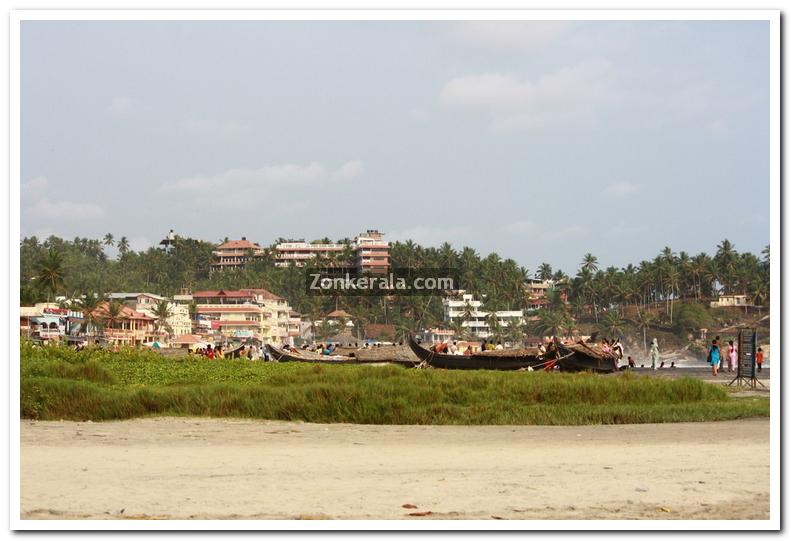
58 383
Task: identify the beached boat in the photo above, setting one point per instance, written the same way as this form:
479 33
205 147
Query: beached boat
581 357
499 360
305 356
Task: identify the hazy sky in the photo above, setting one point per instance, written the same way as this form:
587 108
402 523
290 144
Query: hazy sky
538 140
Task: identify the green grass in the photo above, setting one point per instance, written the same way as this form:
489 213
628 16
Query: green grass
58 383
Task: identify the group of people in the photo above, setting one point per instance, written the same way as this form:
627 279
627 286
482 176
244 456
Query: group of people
452 348
731 354
210 352
250 352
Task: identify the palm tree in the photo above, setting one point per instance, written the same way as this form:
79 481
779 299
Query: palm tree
51 272
123 246
109 240
671 283
612 324
162 312
494 325
644 321
544 271
89 306
513 333
590 263
114 313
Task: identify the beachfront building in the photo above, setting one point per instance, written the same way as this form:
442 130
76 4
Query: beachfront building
48 322
178 322
298 253
234 254
464 308
246 313
537 293
129 328
368 252
371 252
738 301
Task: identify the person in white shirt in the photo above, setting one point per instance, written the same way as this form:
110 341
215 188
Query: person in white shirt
499 345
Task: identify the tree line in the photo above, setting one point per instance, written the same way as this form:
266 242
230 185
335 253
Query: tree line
607 297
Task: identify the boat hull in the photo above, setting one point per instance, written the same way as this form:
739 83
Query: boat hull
283 356
475 362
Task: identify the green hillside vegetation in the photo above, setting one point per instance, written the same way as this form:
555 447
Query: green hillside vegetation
667 296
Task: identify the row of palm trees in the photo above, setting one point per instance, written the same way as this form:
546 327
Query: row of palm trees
57 266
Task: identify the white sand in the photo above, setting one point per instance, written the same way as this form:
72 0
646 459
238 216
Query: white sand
233 469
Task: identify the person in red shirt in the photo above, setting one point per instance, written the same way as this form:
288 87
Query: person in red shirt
759 358
210 352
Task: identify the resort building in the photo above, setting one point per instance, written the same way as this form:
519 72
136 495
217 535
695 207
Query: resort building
247 313
371 253
177 323
47 321
130 328
465 309
234 254
298 253
537 293
368 252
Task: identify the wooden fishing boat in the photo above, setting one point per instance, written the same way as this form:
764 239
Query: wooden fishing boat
582 357
304 356
500 360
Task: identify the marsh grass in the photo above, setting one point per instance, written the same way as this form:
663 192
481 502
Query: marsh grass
58 383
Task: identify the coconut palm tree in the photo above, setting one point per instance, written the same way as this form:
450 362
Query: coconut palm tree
50 272
590 263
644 321
89 305
544 271
123 246
113 313
162 312
109 240
612 324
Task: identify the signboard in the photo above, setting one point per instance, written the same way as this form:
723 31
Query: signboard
748 346
747 342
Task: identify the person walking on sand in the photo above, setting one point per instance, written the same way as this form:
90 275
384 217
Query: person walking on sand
733 353
714 357
654 353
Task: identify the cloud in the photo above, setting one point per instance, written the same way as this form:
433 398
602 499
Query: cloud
571 94
430 236
623 189
348 171
521 227
120 106
34 188
65 210
518 36
244 188
36 193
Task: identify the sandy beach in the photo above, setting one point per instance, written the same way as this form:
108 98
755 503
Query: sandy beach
181 468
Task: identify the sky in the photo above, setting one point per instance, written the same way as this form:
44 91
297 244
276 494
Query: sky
538 140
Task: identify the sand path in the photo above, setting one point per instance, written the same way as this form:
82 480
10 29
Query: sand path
239 469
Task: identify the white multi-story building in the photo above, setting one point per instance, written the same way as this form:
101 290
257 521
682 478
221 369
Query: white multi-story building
466 309
368 252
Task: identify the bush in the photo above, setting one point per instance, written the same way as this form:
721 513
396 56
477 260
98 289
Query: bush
692 317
